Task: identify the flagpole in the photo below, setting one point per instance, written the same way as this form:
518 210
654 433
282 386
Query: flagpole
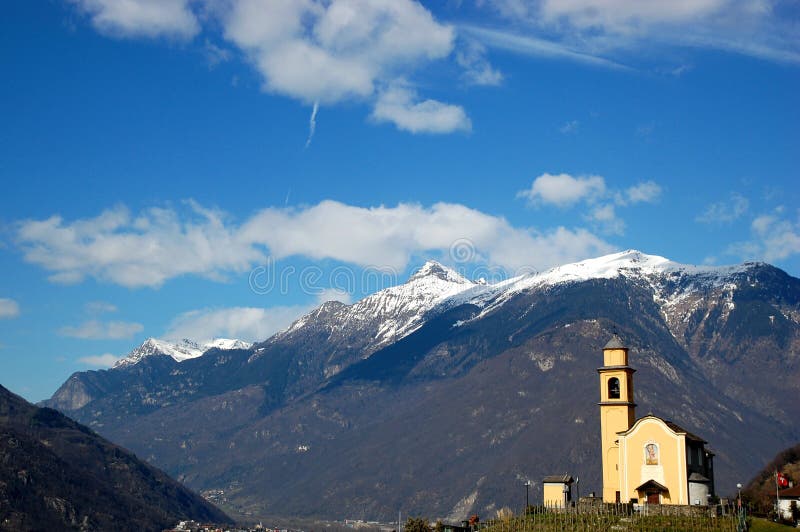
777 498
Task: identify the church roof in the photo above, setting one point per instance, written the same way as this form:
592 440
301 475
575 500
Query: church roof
615 343
672 426
697 477
681 430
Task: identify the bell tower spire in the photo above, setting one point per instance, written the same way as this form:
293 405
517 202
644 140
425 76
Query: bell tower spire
617 411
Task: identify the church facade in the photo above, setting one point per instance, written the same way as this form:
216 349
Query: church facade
647 460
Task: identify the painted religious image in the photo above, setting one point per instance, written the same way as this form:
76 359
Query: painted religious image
651 454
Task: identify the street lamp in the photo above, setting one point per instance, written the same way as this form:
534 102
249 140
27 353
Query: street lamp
741 525
527 490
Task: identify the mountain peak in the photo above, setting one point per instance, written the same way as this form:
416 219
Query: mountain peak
179 351
433 268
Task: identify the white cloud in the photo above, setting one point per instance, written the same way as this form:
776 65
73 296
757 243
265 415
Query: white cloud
98 330
564 190
251 324
400 106
142 18
389 236
724 212
328 51
316 51
8 308
105 360
169 243
145 250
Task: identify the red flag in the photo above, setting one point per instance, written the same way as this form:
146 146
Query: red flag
781 480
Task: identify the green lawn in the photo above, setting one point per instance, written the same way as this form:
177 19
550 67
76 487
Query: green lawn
762 525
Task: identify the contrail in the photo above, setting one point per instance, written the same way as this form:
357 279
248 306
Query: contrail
312 124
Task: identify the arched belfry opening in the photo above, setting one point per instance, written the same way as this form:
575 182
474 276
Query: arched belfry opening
613 388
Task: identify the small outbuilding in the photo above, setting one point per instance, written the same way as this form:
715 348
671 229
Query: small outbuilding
785 499
557 490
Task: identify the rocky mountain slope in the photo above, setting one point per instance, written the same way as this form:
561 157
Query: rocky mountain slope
56 474
441 396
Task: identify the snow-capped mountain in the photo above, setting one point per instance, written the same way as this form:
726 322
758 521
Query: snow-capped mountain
357 330
671 283
184 350
395 312
481 373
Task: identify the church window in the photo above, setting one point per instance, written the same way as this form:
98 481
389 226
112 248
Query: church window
613 388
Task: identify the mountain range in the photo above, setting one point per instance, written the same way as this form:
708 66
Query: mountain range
441 396
56 474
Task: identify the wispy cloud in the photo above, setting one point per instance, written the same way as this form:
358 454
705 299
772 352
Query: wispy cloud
98 330
8 308
312 127
529 45
477 69
570 126
99 307
764 29
725 212
216 54
644 192
774 237
251 324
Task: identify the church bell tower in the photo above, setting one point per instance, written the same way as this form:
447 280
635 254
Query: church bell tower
617 412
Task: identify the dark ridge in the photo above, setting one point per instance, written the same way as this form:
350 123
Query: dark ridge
56 474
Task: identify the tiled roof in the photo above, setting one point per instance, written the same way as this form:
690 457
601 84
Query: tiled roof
615 343
677 428
791 492
560 479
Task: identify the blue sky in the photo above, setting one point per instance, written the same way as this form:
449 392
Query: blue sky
162 160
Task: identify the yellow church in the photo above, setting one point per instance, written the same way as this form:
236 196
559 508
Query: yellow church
646 460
